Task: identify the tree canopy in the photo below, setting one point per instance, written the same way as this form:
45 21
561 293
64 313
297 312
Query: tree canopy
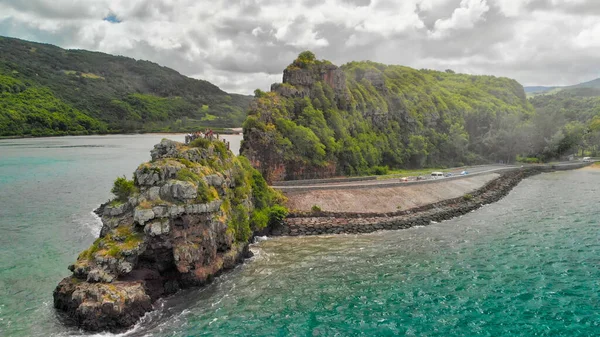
365 115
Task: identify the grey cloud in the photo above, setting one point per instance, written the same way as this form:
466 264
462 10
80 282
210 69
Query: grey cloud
588 7
237 49
358 3
479 40
53 9
444 10
150 9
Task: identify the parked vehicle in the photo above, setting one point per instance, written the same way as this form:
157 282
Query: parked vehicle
404 179
449 174
436 175
464 173
587 159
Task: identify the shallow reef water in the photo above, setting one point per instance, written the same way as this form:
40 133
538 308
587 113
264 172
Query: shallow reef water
527 265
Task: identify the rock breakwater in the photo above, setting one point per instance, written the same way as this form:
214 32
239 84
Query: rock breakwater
319 223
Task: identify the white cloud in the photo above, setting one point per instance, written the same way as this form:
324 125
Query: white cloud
244 44
464 17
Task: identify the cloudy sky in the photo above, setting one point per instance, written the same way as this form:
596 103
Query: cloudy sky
241 45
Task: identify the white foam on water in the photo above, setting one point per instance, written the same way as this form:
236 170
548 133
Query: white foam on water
96 226
133 330
260 238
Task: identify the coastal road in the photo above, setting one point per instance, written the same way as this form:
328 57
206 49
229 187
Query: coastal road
373 182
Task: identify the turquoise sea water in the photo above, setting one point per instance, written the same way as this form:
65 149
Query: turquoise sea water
528 265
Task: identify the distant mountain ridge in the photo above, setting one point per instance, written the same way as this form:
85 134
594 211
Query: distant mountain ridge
533 90
46 90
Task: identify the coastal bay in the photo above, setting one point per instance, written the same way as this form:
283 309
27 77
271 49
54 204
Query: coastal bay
527 260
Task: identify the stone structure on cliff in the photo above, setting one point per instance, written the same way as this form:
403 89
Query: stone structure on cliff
190 216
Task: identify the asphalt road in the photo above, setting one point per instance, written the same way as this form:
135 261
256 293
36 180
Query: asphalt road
455 172
481 169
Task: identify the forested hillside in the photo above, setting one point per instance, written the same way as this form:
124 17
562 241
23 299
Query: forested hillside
46 90
570 120
325 121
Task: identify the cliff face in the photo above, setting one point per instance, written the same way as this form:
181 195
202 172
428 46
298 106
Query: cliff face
324 120
189 216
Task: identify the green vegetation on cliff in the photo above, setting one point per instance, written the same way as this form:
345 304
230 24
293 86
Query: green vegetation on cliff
46 90
325 121
202 180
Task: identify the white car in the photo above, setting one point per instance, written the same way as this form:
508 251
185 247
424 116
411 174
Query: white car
587 159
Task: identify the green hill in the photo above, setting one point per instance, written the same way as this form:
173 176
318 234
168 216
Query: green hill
536 91
325 121
46 90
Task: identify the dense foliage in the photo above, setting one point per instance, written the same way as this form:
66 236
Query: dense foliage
380 115
249 206
46 90
123 189
566 122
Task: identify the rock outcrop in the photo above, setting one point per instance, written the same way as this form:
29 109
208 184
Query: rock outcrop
326 121
320 223
300 81
186 219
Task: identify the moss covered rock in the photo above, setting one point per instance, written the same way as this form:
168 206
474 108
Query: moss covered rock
186 220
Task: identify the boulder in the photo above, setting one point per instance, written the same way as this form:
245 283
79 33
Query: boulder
156 228
116 210
165 149
215 180
153 193
141 215
178 190
100 306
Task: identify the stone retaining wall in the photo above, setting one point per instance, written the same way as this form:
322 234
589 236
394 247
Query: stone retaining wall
282 184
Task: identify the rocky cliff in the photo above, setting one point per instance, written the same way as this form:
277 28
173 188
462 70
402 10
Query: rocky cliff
187 216
325 121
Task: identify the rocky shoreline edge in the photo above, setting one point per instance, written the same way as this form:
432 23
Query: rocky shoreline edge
116 306
187 216
323 223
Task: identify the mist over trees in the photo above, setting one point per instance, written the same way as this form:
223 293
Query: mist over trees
567 122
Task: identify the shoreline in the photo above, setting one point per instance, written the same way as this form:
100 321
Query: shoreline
224 131
327 223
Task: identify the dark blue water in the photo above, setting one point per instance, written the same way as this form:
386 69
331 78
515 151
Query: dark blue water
528 265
